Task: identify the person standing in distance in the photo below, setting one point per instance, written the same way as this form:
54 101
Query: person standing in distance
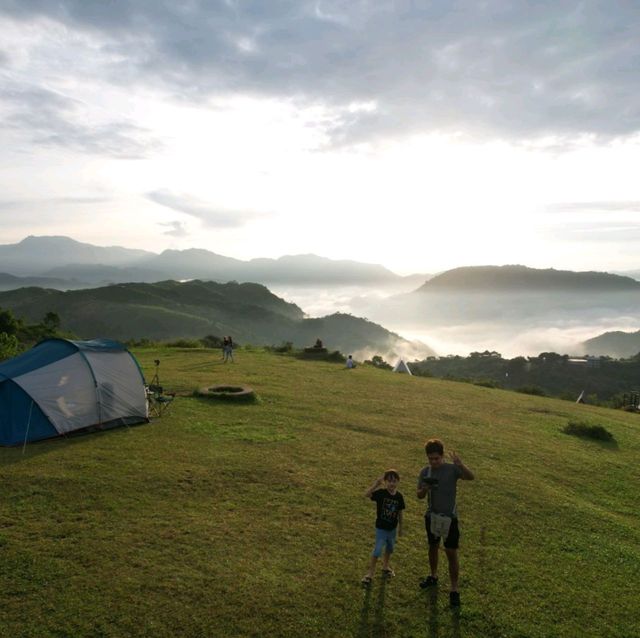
227 349
438 480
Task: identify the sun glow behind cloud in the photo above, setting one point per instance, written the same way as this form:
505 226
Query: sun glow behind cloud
297 152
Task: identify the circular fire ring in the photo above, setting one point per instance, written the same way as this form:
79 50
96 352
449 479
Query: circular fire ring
238 393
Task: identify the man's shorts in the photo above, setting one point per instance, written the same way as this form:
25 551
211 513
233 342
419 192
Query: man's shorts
452 539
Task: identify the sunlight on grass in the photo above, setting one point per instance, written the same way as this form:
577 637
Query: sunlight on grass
248 520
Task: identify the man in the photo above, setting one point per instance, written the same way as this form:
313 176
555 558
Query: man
439 480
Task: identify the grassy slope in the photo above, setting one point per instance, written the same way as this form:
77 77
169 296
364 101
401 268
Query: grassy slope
249 520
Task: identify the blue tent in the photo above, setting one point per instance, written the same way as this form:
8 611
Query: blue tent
61 386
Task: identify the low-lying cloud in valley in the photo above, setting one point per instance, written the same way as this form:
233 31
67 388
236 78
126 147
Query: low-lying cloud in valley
526 328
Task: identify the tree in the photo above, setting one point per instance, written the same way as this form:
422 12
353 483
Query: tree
378 362
212 341
517 365
8 323
551 357
51 322
9 346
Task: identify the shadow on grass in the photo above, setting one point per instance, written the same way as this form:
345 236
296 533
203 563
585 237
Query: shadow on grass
455 623
493 629
607 445
432 608
376 626
20 453
213 401
591 432
201 366
433 619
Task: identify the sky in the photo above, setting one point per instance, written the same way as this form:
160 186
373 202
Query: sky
419 135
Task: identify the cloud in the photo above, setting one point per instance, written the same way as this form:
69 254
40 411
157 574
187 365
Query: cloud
176 229
514 70
9 204
80 200
51 118
600 207
33 203
621 232
213 217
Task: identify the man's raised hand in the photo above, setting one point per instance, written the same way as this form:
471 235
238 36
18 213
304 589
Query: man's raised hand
455 458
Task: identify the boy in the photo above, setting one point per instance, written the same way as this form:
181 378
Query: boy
439 479
389 506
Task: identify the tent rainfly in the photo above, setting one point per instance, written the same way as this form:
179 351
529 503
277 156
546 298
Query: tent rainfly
401 366
61 386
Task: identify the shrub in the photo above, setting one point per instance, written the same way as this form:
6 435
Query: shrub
487 383
532 389
141 343
378 362
9 346
8 323
284 348
585 430
185 343
336 356
421 373
321 354
211 341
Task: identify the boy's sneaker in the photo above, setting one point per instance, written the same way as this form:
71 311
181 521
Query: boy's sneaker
429 581
454 599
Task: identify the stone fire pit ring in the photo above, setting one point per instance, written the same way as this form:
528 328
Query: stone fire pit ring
238 393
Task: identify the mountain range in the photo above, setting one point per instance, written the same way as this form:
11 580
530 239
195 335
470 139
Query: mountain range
511 309
518 278
75 265
509 294
489 305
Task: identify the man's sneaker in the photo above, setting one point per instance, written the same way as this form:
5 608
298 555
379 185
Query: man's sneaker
429 581
454 599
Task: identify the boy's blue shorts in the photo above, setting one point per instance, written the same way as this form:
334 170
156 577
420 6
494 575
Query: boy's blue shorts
384 538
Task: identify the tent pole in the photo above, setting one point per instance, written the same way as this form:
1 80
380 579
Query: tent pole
24 447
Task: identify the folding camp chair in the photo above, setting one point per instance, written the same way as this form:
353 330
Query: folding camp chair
158 401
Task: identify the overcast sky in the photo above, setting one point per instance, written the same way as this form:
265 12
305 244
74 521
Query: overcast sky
420 135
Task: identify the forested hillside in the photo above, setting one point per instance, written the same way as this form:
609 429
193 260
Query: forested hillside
602 380
194 309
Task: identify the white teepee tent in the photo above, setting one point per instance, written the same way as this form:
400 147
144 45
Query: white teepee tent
401 366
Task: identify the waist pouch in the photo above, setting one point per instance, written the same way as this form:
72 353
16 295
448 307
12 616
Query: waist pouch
440 525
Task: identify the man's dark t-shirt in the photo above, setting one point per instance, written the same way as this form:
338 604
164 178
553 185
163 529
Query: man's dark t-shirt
388 508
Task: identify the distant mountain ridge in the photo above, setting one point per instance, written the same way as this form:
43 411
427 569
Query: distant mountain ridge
11 282
634 274
35 255
522 278
65 258
615 344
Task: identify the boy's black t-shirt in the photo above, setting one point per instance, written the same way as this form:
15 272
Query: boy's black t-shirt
388 507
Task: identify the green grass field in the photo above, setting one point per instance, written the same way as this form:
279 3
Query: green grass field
248 520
